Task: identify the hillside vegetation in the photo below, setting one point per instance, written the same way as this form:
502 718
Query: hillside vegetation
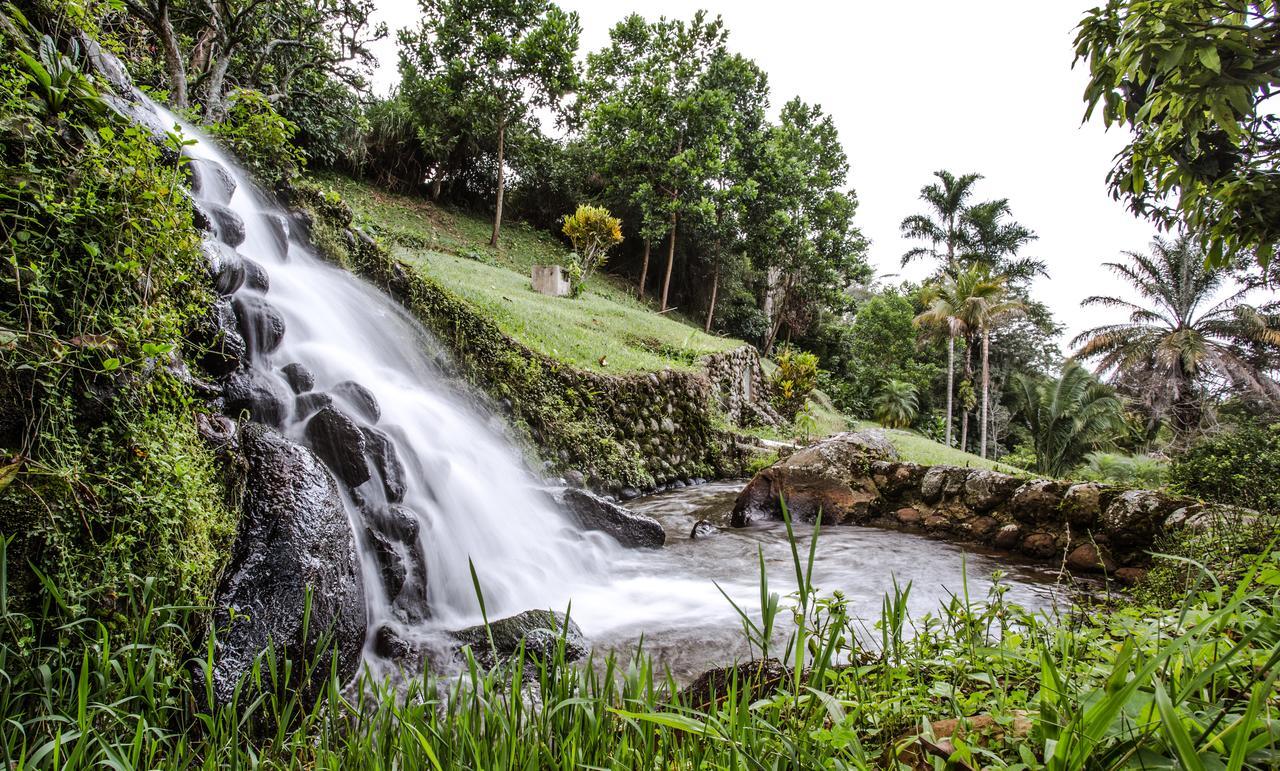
606 329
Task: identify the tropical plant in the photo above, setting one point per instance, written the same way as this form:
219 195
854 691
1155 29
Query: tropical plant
260 137
1179 344
1130 470
943 225
795 379
593 231
1067 418
897 404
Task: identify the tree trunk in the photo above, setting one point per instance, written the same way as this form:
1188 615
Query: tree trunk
671 260
986 387
177 71
436 184
715 285
502 178
213 108
644 269
964 415
951 377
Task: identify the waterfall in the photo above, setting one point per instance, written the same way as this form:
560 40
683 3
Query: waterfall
453 493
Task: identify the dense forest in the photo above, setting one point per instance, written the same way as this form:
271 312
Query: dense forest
661 166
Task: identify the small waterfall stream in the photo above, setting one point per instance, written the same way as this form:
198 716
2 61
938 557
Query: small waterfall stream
454 493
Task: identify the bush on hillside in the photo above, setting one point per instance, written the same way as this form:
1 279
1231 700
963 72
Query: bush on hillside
260 137
593 232
1239 467
796 378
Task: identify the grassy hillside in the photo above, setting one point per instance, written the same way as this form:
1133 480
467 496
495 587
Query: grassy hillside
923 450
606 329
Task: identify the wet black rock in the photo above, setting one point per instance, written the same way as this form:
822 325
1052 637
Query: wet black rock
626 527
227 225
391 646
226 267
262 396
299 377
211 181
309 404
627 493
217 431
397 522
360 399
391 567
260 324
704 529
541 631
218 337
755 680
383 454
279 227
294 539
340 444
575 478
255 276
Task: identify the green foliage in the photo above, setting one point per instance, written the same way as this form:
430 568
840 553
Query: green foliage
1191 79
592 231
260 138
1067 418
881 345
101 282
1239 466
795 380
897 404
1140 471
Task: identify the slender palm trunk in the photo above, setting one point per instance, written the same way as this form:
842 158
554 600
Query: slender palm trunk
986 386
951 377
964 414
502 179
671 259
644 270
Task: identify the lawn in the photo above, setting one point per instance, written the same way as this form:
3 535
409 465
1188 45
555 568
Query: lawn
607 329
917 448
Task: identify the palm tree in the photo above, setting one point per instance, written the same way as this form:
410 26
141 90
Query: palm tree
1178 343
1068 418
897 404
942 301
995 240
944 223
994 308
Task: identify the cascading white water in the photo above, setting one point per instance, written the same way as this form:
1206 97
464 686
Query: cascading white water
472 500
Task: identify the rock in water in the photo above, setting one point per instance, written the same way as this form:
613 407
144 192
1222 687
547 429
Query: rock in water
830 477
541 631
704 529
383 454
337 439
227 224
260 324
626 527
299 377
360 398
262 396
294 539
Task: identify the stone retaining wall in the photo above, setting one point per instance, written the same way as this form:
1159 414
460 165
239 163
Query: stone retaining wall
855 479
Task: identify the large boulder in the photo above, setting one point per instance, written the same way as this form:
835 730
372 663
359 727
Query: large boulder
1134 517
340 442
832 478
257 393
628 528
294 540
540 630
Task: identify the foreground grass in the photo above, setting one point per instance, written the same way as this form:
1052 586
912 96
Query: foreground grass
1192 686
607 329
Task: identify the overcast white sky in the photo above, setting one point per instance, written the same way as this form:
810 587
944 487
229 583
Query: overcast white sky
982 86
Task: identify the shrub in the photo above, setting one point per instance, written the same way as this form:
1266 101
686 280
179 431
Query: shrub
1239 467
795 379
1133 470
593 232
260 138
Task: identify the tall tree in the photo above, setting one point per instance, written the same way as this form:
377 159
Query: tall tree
1192 80
803 231
1068 417
493 62
1178 342
658 124
943 224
